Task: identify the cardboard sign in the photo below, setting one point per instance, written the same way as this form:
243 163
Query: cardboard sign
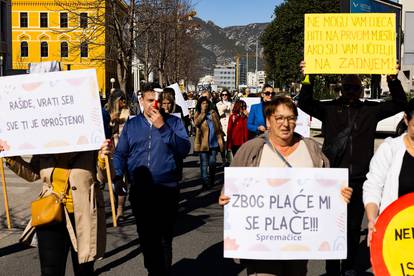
339 43
50 113
285 213
392 245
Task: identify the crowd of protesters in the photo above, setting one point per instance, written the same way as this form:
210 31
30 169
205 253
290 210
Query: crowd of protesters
149 141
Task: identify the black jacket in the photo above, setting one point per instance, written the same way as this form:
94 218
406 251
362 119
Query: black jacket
336 114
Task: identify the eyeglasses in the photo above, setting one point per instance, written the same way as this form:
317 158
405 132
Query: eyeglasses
269 93
280 119
225 94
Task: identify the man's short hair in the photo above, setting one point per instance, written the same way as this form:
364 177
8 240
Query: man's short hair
266 86
149 87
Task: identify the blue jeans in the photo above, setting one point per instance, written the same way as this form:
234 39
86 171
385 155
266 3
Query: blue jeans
208 165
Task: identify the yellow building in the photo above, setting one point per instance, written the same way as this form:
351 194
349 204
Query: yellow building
71 32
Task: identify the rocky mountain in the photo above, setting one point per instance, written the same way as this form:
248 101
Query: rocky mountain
218 45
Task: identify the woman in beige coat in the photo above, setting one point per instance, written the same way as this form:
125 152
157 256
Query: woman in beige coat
208 140
83 229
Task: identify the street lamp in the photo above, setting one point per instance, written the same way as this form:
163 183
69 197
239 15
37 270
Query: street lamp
112 80
1 65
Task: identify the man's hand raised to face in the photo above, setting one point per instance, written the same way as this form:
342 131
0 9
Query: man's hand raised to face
156 118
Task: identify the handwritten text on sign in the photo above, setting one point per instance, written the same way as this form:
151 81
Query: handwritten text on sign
50 113
277 213
350 43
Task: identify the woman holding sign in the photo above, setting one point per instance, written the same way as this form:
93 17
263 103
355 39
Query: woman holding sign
391 172
280 147
73 177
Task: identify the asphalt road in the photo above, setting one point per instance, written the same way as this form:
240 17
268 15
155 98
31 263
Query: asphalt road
197 247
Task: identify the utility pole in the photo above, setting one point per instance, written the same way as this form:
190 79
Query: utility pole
237 71
257 54
247 62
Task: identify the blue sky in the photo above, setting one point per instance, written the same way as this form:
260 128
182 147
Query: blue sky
235 12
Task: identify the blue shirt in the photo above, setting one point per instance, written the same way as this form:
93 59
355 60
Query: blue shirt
141 145
256 118
212 138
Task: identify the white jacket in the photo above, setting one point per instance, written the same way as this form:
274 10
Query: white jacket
381 186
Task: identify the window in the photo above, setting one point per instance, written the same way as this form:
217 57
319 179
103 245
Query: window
24 49
23 20
84 49
83 20
44 49
63 19
64 49
43 20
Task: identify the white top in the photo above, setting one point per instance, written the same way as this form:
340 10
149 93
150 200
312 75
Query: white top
381 186
300 158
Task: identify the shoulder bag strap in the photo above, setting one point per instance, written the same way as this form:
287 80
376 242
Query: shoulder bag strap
277 152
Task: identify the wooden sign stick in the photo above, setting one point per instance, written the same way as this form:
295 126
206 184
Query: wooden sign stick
6 200
111 191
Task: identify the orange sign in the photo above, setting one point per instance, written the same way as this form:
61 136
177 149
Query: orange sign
392 245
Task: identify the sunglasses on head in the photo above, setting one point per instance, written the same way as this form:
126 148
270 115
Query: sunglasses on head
269 93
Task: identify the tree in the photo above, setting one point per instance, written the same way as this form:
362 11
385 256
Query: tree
283 39
166 45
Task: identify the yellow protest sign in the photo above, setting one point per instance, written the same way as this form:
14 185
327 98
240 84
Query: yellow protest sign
350 43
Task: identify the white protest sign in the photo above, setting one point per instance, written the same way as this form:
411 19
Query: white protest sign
50 113
303 124
251 101
179 99
285 213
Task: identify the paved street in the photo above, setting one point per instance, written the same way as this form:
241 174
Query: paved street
197 243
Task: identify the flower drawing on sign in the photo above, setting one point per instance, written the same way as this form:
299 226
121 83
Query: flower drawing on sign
324 246
327 182
4 145
76 81
8 89
339 244
26 146
277 182
341 222
54 83
259 247
32 86
82 140
231 186
57 143
230 244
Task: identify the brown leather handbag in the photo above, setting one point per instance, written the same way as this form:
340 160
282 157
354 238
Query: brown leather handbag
49 209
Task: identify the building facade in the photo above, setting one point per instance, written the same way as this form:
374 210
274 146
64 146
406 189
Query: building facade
5 37
257 79
71 32
407 60
225 76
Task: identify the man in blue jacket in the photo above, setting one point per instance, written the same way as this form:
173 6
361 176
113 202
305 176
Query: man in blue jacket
256 123
148 150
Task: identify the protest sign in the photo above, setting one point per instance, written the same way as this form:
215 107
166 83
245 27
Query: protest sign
50 113
393 242
251 101
285 213
179 99
303 124
350 43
